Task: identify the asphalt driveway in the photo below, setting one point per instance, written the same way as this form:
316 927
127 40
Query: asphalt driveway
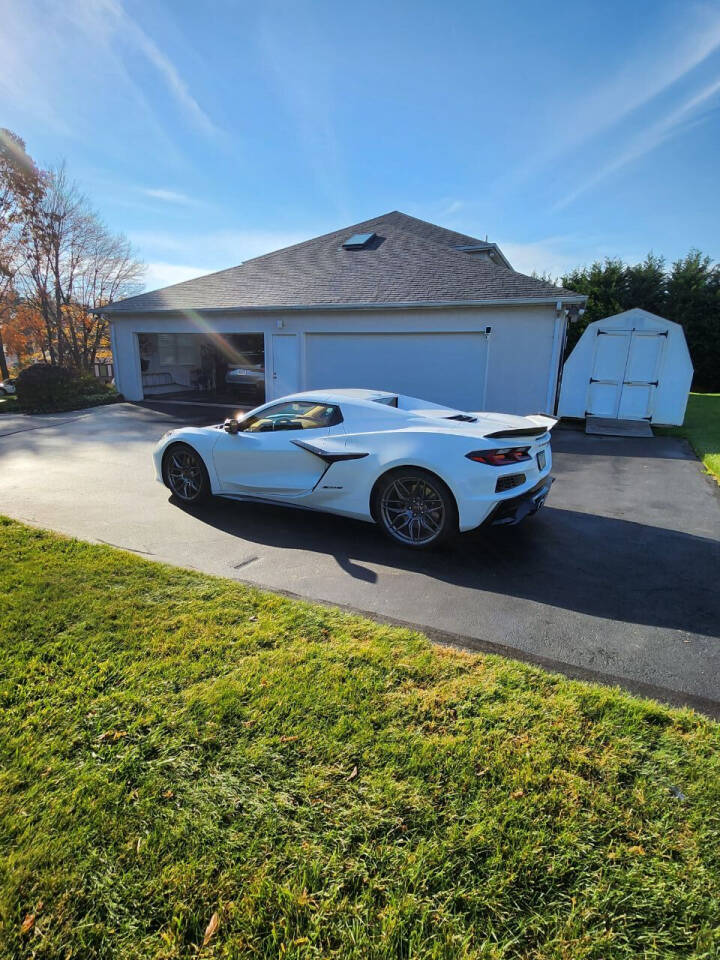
616 578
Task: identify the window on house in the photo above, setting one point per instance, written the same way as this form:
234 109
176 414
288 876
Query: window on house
177 349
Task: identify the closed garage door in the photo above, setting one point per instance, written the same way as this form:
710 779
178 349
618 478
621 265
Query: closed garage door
446 368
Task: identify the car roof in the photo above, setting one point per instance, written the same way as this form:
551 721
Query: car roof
338 394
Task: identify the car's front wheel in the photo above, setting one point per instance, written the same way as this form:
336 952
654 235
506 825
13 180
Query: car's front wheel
415 508
185 474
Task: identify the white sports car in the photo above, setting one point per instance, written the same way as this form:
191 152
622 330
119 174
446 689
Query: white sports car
420 470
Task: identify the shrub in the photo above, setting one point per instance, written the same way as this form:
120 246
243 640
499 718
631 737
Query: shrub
43 385
44 388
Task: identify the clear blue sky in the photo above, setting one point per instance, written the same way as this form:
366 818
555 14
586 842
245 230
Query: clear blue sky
212 132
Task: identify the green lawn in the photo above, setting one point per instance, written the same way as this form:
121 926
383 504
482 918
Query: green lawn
9 404
702 429
176 748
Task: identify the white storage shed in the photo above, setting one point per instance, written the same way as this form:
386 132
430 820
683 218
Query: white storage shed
632 366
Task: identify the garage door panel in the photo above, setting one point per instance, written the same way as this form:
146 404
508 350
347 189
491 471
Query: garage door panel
446 368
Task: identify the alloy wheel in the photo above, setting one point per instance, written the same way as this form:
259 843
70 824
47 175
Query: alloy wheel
413 510
185 474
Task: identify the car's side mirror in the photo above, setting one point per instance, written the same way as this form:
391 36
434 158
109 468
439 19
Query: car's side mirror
231 425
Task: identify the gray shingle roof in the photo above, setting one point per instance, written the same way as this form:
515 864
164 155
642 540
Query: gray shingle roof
409 262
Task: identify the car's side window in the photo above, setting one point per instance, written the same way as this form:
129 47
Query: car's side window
293 415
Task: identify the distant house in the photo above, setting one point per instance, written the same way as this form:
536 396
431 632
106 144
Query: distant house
392 303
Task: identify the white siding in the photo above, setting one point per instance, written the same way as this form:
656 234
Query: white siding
520 369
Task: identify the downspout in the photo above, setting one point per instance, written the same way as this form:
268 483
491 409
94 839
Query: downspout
554 378
113 350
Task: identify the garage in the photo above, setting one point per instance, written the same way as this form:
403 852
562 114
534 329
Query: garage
631 366
393 303
446 367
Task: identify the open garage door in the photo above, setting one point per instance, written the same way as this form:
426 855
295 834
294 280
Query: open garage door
223 368
446 368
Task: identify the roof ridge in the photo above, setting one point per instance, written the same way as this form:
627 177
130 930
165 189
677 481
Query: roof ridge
321 236
435 226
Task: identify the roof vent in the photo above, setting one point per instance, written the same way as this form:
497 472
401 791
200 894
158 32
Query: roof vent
357 241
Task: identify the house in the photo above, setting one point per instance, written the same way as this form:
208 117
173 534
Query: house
393 303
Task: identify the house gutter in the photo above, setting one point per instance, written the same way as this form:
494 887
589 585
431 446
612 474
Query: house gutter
393 304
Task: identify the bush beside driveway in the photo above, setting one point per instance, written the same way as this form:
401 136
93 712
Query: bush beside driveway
186 758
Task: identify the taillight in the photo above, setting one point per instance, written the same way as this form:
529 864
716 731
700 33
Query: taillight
500 458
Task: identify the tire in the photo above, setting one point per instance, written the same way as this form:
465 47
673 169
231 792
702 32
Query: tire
185 474
413 507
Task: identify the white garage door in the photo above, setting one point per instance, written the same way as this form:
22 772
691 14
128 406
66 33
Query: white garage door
446 368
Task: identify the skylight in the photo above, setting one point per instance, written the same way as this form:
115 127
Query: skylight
357 241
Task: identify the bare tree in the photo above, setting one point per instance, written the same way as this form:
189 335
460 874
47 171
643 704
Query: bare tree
21 186
74 266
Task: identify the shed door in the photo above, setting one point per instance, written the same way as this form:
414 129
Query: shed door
448 368
641 375
606 381
625 374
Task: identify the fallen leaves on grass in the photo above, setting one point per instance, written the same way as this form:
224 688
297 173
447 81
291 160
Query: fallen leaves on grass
29 922
211 928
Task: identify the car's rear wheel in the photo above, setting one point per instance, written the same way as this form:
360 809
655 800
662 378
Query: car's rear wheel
185 474
415 508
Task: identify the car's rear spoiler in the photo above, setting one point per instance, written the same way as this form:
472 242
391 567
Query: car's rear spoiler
544 424
543 420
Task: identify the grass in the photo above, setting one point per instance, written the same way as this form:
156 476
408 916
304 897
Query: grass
702 429
180 753
9 404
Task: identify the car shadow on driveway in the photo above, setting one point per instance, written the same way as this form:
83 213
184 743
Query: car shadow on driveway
600 566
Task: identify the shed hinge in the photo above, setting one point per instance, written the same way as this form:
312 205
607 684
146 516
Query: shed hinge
593 380
664 333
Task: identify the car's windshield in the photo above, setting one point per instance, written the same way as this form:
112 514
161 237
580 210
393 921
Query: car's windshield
293 415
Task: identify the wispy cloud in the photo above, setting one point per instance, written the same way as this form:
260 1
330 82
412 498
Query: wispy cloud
173 256
557 255
95 38
160 274
169 196
301 72
171 76
658 64
648 140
